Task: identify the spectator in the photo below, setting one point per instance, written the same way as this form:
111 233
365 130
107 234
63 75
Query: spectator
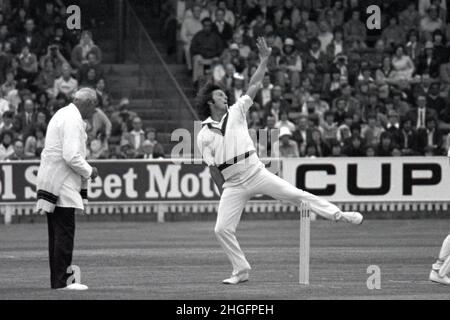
408 141
26 119
386 145
329 127
284 122
285 147
30 38
223 28
428 62
402 64
158 149
6 144
190 27
18 151
80 52
434 100
372 131
264 95
101 124
136 136
354 147
419 114
431 22
354 29
206 45
4 104
92 63
45 80
28 64
66 84
34 144
7 123
56 58
430 138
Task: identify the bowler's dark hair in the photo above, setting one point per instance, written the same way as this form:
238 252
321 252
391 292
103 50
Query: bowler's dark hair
204 96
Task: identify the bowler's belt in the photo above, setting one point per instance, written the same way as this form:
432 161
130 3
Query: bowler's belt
235 160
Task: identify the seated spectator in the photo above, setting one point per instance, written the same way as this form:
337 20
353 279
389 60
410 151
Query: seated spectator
229 15
206 45
402 65
419 114
284 122
81 51
190 26
28 68
91 79
4 104
18 153
329 127
30 37
35 143
6 144
45 80
413 46
393 127
322 149
428 63
26 119
7 123
136 136
101 124
409 18
9 84
393 34
264 95
371 132
408 142
158 149
354 147
223 28
98 148
288 75
354 29
85 68
285 147
434 100
55 57
386 145
66 84
431 22
430 138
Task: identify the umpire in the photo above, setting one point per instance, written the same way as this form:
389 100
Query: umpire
62 182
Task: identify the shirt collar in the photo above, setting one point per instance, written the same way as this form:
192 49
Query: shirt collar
75 109
211 121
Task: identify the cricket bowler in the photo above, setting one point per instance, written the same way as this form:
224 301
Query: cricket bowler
441 268
227 148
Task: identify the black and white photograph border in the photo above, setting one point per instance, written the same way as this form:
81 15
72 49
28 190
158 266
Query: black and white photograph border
227 155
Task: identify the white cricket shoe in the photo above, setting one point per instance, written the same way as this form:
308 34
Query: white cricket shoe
352 217
75 287
435 277
235 279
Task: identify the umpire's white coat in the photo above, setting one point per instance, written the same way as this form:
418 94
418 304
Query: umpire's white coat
64 171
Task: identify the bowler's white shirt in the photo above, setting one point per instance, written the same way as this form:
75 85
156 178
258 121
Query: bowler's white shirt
66 137
217 149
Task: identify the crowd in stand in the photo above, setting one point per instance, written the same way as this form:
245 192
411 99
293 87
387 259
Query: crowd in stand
42 64
333 86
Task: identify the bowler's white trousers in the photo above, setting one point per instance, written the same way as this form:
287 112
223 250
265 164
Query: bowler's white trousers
234 198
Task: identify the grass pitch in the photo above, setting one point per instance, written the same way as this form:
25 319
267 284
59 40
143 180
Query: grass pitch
184 261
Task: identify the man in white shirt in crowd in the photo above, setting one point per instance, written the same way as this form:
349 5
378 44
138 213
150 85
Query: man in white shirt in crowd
229 151
66 84
62 182
190 26
135 137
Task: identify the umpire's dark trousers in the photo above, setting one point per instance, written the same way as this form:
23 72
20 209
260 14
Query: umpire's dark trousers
61 232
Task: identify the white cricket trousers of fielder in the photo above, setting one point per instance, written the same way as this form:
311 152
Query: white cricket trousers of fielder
234 198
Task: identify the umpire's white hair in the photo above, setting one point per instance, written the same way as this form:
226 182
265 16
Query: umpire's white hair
85 94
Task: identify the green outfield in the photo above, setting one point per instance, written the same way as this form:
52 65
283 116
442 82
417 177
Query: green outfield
183 261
